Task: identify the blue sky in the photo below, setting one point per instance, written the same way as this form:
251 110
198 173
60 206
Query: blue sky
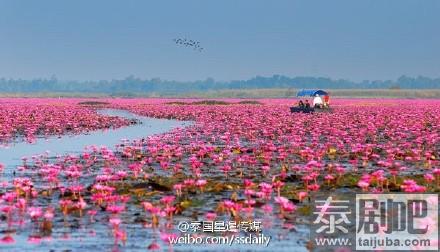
105 39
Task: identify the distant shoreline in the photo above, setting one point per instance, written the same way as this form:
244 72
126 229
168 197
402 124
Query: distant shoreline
242 93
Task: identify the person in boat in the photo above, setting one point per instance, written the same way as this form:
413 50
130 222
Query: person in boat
317 101
307 104
301 104
326 101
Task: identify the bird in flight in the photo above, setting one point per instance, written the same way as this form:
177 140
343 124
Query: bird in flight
188 43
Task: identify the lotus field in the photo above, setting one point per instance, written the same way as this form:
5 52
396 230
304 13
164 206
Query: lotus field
30 118
236 161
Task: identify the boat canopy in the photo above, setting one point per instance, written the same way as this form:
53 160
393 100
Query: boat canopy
311 92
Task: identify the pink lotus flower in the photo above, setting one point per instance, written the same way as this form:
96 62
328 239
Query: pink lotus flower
153 246
35 212
48 214
210 216
429 177
302 195
7 239
115 209
410 185
363 184
115 222
167 200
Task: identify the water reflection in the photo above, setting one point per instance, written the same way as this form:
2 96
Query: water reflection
11 154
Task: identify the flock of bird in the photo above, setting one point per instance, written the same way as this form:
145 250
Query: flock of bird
188 43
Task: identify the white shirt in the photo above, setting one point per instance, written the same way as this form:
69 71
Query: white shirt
317 100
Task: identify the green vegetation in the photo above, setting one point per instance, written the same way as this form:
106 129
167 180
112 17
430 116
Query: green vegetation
210 102
249 93
276 86
93 103
134 87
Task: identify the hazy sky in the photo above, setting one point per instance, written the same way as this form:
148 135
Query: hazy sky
89 39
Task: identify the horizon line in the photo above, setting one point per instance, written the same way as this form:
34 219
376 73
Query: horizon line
212 78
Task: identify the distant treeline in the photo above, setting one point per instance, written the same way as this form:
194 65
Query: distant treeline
133 85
